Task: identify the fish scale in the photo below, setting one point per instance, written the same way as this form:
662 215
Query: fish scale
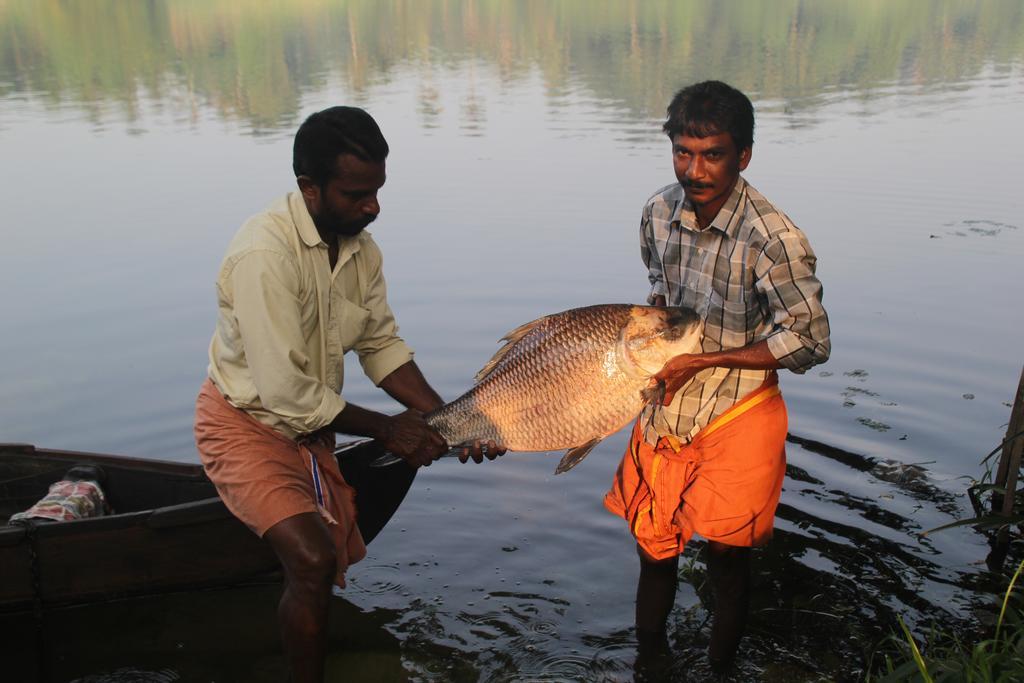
569 379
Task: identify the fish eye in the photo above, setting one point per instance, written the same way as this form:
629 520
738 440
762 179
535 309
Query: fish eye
672 333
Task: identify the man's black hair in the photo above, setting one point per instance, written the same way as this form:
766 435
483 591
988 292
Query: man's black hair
711 108
333 131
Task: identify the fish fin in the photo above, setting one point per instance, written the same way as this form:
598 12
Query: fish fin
385 460
510 340
654 394
574 456
356 453
365 453
391 458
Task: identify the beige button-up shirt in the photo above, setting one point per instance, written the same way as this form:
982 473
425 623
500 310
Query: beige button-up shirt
286 320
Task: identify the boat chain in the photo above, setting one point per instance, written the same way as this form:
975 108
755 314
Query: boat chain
37 593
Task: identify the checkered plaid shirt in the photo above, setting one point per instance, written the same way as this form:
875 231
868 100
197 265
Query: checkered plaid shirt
750 275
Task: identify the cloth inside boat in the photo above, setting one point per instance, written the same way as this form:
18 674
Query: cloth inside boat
73 497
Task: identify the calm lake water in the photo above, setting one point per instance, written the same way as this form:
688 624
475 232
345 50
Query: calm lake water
525 137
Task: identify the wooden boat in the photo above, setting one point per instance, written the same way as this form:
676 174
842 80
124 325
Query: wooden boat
168 531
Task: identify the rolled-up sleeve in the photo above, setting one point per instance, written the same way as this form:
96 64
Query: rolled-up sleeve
381 351
785 277
649 255
264 288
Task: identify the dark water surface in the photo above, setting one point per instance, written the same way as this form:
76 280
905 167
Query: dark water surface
136 137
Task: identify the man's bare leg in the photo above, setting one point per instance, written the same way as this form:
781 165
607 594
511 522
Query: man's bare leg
655 592
729 573
304 546
655 596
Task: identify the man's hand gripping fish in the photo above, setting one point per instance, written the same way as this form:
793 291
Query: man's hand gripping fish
568 380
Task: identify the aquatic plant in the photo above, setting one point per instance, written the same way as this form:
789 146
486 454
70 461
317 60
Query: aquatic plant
945 656
987 495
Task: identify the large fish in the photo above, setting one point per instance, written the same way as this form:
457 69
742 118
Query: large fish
568 380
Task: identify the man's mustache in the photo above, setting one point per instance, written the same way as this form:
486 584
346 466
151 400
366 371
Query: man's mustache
695 185
355 227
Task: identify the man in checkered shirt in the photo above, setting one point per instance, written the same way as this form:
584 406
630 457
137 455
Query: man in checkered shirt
710 459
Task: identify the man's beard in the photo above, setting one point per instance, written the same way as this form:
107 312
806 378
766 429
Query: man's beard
347 228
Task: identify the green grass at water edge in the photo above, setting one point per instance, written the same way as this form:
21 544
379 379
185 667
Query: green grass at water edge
946 656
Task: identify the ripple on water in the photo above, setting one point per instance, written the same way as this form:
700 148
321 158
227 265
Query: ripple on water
613 659
492 625
129 675
543 628
557 667
379 583
514 622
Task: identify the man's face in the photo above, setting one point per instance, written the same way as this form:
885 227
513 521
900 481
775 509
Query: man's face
347 202
707 168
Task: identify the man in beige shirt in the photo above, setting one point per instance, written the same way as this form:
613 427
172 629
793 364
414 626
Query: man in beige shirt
300 285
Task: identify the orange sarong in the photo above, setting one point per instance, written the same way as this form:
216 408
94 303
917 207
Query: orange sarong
723 485
264 477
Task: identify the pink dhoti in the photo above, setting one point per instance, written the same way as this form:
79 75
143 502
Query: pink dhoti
264 477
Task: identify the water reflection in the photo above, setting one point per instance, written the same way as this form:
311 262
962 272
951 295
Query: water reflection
522 132
257 62
218 635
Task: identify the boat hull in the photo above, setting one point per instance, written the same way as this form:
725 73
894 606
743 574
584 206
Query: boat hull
169 532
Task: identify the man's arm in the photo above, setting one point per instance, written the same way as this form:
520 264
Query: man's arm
408 386
785 276
652 261
406 435
681 369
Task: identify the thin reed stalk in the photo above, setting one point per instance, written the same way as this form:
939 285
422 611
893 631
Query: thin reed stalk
918 659
1006 599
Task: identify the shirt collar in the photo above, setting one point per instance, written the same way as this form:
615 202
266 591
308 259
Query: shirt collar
726 221
303 221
